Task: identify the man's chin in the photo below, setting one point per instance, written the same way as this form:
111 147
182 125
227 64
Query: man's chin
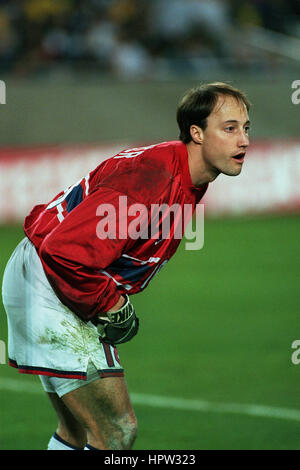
233 171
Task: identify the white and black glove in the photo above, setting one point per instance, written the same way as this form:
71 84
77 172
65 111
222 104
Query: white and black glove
120 326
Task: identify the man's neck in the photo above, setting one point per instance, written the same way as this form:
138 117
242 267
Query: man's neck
200 172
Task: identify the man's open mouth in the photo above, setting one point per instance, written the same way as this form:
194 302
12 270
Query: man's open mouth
239 157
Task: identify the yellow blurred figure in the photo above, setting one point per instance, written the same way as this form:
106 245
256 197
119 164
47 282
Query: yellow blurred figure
39 10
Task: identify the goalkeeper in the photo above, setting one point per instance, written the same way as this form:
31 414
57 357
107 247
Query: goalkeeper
68 286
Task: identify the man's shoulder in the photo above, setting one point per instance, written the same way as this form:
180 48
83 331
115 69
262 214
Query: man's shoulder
163 152
143 172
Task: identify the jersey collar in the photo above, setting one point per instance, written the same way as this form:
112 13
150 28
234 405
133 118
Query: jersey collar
187 183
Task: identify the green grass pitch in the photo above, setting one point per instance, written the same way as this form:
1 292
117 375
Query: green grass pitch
216 325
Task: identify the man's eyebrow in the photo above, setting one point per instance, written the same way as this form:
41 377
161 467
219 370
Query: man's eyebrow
235 121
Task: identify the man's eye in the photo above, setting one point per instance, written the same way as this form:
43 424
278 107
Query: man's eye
229 128
247 129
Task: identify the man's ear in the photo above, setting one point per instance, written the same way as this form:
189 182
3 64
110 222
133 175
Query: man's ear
197 134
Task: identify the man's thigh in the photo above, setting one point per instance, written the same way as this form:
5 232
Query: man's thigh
104 409
101 398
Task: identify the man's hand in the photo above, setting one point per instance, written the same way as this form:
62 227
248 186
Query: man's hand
119 324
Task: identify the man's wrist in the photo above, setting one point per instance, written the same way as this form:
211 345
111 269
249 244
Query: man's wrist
118 305
118 326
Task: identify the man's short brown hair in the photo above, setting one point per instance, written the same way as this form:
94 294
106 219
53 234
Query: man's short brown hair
198 103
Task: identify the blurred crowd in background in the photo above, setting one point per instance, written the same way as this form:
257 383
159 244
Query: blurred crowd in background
139 38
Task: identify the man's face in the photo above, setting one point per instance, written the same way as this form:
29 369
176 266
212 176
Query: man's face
226 136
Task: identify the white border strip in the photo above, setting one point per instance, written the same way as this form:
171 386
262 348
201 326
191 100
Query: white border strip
182 404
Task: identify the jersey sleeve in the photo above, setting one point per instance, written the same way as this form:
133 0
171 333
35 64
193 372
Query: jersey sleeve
77 251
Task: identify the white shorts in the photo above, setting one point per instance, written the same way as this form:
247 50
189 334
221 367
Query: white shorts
44 336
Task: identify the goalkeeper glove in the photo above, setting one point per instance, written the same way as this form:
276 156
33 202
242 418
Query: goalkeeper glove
120 326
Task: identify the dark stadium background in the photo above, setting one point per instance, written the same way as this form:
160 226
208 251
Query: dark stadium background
212 366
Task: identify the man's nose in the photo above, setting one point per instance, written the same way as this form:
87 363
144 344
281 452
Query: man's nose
243 139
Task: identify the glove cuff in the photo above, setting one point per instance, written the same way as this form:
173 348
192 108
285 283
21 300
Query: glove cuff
121 316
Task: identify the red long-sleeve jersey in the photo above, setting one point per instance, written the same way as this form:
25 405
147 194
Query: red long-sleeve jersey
105 235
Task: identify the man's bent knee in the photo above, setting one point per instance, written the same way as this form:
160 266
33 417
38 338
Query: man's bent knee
128 426
117 433
104 410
